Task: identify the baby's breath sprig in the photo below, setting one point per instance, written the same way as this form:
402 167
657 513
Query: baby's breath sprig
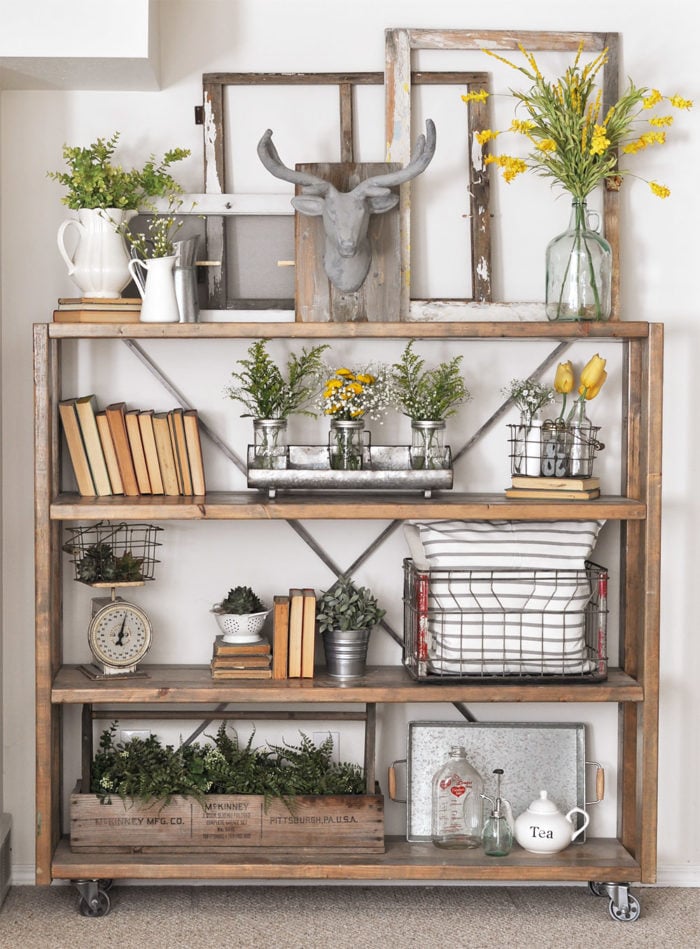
529 396
356 394
572 140
161 231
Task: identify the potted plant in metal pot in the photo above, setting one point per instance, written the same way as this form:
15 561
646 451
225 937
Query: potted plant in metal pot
270 394
345 617
105 196
241 615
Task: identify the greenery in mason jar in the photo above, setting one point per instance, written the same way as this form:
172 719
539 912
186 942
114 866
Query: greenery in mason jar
529 397
346 606
428 395
149 771
93 180
264 390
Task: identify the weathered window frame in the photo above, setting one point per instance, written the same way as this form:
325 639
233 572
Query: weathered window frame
399 46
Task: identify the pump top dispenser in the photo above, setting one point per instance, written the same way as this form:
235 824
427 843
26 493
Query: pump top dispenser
498 827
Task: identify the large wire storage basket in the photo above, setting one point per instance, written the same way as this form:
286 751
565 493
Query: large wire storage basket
111 555
514 624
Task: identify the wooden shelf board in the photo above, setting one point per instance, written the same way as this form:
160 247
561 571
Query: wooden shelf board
597 859
408 330
177 684
253 505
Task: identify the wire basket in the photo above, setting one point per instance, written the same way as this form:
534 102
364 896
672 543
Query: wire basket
113 555
514 624
554 449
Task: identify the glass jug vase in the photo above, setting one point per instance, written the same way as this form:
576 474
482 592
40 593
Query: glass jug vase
579 270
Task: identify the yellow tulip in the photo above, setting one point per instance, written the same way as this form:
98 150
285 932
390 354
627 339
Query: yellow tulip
592 373
590 392
564 378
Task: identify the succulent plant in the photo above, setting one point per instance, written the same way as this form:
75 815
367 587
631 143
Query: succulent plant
99 564
240 600
346 606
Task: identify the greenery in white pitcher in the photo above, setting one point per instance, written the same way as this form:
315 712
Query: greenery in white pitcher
94 180
158 240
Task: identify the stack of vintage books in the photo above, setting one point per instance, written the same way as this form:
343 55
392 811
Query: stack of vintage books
241 661
566 489
98 310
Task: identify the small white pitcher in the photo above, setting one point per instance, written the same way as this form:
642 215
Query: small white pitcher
99 265
157 288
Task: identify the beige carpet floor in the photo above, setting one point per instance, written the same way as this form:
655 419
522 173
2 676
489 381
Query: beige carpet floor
342 917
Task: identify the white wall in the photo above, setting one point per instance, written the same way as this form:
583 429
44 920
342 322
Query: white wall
317 35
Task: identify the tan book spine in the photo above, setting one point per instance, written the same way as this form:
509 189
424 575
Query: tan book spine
243 649
166 458
110 455
85 408
241 673
133 431
181 451
308 636
241 662
76 448
557 495
173 445
96 316
296 621
194 451
115 416
148 440
280 636
555 484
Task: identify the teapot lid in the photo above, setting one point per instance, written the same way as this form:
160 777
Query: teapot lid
543 805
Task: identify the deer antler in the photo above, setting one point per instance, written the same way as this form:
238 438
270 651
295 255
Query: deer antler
271 160
422 155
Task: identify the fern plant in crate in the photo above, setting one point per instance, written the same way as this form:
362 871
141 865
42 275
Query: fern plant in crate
241 615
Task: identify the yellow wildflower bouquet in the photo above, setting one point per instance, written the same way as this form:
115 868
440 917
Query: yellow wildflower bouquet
571 140
350 395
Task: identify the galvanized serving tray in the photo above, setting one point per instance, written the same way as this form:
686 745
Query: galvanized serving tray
383 467
534 756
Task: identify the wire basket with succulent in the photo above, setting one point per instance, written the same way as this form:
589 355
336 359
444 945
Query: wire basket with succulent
428 396
345 616
241 615
574 138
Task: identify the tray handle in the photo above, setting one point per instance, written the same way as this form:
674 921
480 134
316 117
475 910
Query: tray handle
391 780
599 782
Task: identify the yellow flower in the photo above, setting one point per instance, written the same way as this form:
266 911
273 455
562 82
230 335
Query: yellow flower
365 378
480 96
522 126
661 121
333 384
599 140
592 376
654 97
345 372
661 191
564 378
547 145
591 392
633 147
654 138
354 388
678 103
486 136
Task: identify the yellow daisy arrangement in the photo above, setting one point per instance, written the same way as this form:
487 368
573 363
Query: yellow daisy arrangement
350 394
571 139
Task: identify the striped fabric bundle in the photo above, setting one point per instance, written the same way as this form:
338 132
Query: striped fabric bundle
506 597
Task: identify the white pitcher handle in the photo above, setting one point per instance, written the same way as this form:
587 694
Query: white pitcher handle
138 279
70 263
586 820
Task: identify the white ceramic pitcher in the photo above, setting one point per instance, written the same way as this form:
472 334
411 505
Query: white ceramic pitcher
100 264
155 280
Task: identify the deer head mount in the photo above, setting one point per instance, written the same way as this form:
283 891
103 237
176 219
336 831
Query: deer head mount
347 254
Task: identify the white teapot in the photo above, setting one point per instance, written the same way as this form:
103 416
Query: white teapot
542 828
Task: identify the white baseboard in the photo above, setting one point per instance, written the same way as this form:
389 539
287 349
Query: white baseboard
680 876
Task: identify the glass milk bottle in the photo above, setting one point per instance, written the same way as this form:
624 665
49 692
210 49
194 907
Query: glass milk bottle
457 819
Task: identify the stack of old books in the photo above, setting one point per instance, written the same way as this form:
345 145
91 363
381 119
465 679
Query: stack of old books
560 489
98 310
241 661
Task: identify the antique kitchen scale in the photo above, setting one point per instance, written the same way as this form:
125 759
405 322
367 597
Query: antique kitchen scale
111 557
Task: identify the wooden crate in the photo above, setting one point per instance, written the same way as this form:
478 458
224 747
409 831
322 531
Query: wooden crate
228 823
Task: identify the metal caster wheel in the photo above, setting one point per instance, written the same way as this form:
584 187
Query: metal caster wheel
597 889
99 906
626 914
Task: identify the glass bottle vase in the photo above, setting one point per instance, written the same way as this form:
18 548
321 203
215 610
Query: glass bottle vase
346 443
457 817
270 447
579 270
428 445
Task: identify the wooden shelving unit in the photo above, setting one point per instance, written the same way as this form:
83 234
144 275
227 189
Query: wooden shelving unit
632 683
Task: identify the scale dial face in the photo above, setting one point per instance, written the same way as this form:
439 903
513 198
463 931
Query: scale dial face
119 635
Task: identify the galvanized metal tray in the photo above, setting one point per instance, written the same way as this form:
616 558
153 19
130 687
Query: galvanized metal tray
383 467
534 756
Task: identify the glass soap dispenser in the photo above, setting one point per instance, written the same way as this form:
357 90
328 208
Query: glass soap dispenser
498 828
458 792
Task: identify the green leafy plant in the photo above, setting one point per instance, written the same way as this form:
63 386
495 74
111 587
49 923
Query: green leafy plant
428 395
94 180
149 771
99 564
240 600
347 606
266 392
161 231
